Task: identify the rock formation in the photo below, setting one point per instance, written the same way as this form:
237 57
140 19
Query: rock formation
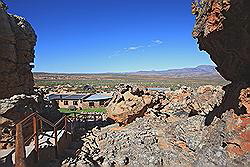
222 29
171 132
151 141
17 95
128 103
131 102
17 41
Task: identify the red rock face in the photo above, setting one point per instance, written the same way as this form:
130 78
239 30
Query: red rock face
245 99
222 29
239 143
17 41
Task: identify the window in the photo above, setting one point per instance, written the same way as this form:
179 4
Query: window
91 104
75 103
66 103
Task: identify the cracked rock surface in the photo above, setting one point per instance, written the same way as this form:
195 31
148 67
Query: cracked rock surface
177 138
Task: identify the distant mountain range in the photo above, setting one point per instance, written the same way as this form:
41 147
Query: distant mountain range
199 71
202 71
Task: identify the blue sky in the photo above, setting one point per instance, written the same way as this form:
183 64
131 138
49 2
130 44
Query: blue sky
111 35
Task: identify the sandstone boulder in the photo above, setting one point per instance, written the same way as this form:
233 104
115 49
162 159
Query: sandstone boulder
187 101
128 103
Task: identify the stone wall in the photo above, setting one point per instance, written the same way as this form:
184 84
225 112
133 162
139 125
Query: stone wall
17 41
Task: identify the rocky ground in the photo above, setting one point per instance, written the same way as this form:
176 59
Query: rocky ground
185 127
171 130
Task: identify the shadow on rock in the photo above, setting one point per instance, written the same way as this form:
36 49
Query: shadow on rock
231 100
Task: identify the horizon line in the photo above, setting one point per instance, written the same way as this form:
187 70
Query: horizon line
124 72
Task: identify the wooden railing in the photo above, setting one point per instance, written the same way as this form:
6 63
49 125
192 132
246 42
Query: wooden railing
39 125
34 126
77 116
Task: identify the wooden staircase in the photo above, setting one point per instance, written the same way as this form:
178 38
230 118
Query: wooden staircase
33 135
37 139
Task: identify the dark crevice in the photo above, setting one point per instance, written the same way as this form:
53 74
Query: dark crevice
193 113
224 144
229 101
236 144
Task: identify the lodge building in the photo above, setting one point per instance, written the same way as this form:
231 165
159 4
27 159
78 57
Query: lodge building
80 101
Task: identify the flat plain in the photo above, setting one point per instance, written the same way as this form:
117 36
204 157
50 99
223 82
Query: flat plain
108 81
